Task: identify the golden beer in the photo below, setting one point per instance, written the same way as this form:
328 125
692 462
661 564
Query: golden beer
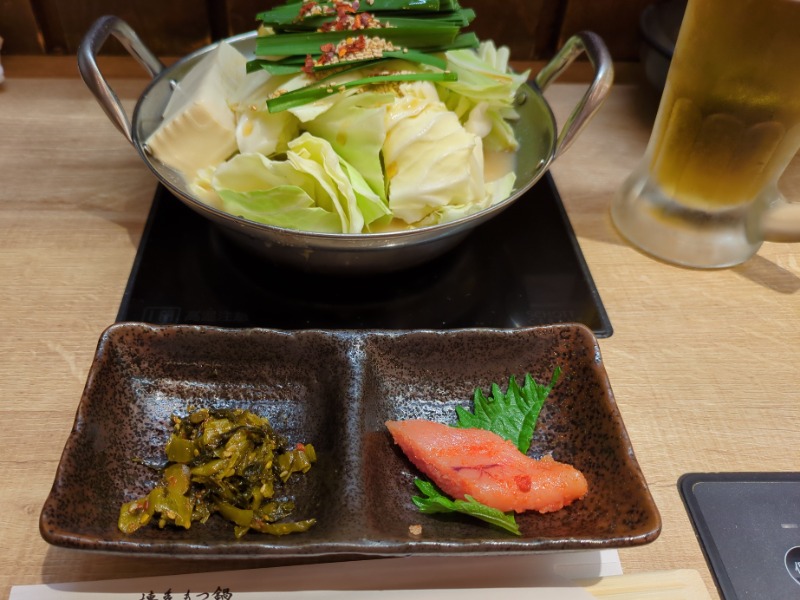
729 120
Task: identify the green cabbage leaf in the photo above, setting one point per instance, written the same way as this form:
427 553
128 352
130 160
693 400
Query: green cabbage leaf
316 156
432 163
312 190
483 95
355 126
258 130
273 192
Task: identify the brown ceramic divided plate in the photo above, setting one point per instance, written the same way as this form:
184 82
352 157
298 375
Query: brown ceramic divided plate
336 389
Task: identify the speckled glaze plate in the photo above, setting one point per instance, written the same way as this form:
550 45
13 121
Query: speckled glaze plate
335 389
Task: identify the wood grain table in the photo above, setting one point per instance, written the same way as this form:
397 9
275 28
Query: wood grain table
704 364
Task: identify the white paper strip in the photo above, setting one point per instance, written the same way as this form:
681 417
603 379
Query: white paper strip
516 577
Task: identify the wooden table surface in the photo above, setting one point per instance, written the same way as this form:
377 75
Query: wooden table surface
704 364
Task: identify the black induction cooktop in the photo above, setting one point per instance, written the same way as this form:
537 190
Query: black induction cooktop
523 268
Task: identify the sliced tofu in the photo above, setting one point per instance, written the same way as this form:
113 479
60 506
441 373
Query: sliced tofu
199 127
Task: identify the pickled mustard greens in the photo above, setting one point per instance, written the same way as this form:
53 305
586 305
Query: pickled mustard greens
228 462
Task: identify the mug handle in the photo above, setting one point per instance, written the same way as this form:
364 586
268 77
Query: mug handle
91 44
598 54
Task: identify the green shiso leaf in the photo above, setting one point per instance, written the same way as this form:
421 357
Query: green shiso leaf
434 502
512 415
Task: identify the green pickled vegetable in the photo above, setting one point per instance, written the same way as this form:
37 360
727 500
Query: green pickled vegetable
179 450
225 462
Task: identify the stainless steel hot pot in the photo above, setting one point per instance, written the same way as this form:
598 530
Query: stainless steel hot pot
540 144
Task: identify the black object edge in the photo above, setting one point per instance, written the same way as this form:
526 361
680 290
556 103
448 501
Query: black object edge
603 330
711 553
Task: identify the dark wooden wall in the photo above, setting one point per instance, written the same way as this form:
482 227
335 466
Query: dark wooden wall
533 29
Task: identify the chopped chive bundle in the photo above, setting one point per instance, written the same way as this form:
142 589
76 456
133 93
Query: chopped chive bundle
289 14
459 18
421 36
315 37
287 67
312 93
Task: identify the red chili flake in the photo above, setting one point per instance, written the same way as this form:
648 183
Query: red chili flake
351 46
306 8
359 43
343 8
327 47
348 18
308 67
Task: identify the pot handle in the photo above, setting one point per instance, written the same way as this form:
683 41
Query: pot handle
595 49
87 65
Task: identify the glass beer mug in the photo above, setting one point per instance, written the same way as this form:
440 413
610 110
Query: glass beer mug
706 193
